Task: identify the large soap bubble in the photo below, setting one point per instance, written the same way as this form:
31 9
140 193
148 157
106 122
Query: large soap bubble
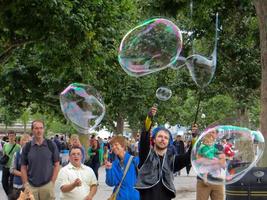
224 154
151 46
83 106
163 93
202 68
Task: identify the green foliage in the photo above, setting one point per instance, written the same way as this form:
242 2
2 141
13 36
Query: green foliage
46 45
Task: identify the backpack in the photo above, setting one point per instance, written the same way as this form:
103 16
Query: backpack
50 145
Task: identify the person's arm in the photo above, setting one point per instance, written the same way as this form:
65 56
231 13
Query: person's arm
111 178
55 172
55 157
24 166
71 186
93 189
13 167
144 143
24 175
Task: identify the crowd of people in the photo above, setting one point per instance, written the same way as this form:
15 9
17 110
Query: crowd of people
142 167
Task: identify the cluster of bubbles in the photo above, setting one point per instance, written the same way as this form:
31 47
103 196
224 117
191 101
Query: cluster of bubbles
151 46
83 106
156 44
224 154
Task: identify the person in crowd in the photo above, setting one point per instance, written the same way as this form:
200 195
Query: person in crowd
39 164
94 155
106 152
57 142
76 180
195 133
63 143
131 148
157 164
206 190
115 170
136 145
101 149
75 141
228 149
9 149
179 147
188 163
15 169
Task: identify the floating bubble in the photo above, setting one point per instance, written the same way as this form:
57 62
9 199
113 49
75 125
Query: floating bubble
163 93
224 154
83 106
201 68
151 46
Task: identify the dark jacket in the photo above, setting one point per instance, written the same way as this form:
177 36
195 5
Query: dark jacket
152 172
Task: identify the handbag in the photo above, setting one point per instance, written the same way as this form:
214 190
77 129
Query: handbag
4 159
113 196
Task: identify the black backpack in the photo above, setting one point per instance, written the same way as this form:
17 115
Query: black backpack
50 145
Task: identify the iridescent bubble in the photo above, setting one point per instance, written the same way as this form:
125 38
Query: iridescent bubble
149 47
83 106
163 93
224 154
201 68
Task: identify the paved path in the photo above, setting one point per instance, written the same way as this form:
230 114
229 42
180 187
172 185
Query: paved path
185 187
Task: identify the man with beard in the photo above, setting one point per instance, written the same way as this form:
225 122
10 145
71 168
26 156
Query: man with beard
157 163
195 133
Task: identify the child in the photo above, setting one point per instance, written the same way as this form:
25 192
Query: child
211 162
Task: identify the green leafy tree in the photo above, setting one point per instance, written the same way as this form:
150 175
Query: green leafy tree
25 118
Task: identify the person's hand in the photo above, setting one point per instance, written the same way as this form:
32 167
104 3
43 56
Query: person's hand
108 165
153 111
77 182
88 197
28 193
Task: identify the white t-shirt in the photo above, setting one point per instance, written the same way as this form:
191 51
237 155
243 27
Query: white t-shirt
69 174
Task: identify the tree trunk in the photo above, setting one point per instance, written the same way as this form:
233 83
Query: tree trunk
243 119
84 139
261 10
120 125
24 128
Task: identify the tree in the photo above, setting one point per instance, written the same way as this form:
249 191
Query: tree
6 117
261 9
25 117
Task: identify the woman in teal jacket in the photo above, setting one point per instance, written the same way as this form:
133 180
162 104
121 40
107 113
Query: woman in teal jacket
115 169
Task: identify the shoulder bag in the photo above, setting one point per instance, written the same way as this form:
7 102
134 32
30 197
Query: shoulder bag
4 159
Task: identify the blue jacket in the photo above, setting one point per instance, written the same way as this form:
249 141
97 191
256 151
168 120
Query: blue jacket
114 175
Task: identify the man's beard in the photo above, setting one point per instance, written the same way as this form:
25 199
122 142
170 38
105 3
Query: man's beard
160 148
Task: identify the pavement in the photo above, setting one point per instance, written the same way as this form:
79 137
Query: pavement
185 187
